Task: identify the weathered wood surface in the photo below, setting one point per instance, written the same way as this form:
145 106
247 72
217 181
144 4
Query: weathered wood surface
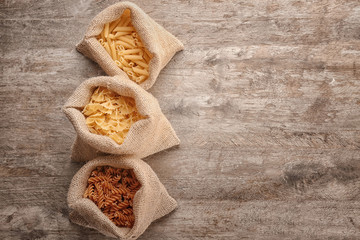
265 98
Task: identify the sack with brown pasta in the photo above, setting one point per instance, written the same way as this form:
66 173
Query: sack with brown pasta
146 33
151 201
151 133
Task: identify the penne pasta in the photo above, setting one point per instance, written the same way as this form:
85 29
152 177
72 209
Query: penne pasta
146 57
129 37
107 48
147 52
120 48
118 34
127 13
124 62
124 29
141 78
114 24
126 69
119 64
102 34
138 43
127 40
130 73
131 51
142 64
121 23
140 71
106 30
126 23
133 57
113 51
123 44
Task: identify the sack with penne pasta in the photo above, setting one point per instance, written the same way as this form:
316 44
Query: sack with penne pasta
123 38
113 115
118 196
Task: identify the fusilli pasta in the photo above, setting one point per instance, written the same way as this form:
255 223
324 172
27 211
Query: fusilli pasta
113 191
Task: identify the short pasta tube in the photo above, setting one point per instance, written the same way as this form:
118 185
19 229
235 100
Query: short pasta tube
124 31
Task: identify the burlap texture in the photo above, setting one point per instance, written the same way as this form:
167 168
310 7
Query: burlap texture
145 137
162 44
151 201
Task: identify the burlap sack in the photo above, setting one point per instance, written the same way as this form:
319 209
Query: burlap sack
162 44
146 136
151 201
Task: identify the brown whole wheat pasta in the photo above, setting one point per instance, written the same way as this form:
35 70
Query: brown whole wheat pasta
139 205
113 191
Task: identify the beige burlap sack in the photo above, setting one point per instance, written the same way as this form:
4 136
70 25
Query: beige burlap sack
162 44
151 201
145 137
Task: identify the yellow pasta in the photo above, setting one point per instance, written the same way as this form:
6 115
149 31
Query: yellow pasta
140 71
126 69
106 30
133 57
118 34
124 29
142 64
107 48
119 63
127 40
110 114
113 51
114 24
123 44
141 78
123 61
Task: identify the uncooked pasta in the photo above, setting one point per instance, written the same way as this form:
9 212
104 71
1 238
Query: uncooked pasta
113 191
121 41
110 114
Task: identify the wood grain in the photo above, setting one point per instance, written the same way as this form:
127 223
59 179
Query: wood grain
265 99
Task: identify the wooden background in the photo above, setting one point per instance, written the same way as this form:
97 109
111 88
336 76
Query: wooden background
265 99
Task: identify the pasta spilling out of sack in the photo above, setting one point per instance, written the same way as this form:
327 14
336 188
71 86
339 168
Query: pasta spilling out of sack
113 191
118 196
106 106
123 38
124 45
110 114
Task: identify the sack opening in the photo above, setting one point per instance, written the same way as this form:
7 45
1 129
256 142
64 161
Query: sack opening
110 114
122 42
